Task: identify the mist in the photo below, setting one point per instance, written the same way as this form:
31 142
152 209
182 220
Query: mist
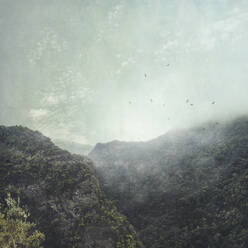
92 71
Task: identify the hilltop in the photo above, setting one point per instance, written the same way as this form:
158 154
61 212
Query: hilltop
61 192
187 188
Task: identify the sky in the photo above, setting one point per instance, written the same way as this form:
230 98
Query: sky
93 71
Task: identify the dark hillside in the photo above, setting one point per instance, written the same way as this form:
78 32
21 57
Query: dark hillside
61 191
187 188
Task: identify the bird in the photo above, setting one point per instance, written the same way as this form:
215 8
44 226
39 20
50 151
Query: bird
145 75
168 65
213 102
191 104
187 100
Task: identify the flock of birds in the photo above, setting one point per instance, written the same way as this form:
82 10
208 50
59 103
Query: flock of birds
187 100
191 104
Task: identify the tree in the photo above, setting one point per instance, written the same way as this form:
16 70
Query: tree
15 230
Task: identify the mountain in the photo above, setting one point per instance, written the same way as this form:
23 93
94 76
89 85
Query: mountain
61 192
73 147
184 189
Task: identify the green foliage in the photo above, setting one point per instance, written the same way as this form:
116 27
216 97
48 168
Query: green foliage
192 189
61 191
15 230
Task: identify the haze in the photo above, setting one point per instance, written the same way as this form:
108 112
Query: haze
97 70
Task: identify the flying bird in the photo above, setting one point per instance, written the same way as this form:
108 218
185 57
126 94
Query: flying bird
145 75
168 65
191 104
213 102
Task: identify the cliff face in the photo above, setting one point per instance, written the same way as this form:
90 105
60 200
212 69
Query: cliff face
61 191
184 189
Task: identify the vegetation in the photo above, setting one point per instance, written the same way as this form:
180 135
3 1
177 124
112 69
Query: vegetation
15 230
186 189
61 191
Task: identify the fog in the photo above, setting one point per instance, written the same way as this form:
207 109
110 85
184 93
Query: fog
97 70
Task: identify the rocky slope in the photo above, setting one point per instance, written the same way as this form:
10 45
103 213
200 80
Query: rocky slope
187 188
61 191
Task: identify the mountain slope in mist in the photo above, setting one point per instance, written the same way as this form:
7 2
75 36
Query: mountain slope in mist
187 188
73 147
61 191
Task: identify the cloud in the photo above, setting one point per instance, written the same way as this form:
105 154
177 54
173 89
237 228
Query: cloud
37 114
77 65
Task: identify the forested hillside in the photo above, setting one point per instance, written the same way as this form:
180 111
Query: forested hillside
61 192
187 188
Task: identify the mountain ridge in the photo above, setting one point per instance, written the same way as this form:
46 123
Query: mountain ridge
177 190
61 191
